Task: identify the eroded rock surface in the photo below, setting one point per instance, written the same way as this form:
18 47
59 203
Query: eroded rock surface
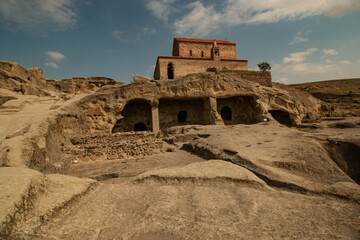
235 174
17 78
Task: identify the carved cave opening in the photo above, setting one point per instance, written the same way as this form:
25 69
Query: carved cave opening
182 116
282 117
174 112
239 109
140 127
226 113
136 117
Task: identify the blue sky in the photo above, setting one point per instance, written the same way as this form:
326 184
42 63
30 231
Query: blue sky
304 41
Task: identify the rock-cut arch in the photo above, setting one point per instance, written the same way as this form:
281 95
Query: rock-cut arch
136 116
282 117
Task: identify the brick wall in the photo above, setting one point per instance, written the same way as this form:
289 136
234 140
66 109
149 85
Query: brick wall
183 67
226 51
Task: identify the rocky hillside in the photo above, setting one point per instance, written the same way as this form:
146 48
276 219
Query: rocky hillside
65 175
342 94
17 78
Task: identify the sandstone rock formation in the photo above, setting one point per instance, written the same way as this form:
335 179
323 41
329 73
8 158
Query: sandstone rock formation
76 85
15 77
223 164
344 95
118 107
141 79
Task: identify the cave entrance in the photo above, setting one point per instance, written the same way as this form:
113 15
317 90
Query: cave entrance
170 70
182 116
176 112
238 110
282 117
136 116
226 113
140 127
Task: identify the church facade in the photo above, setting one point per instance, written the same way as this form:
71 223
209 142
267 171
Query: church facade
197 55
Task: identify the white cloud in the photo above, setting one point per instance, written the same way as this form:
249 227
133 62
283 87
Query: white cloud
299 67
150 71
118 34
133 38
51 64
52 57
148 31
205 19
259 11
122 37
283 80
56 56
296 63
161 8
330 52
306 68
298 38
38 15
299 57
199 22
345 62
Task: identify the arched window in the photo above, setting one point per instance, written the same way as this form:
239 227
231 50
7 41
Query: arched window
202 53
170 69
190 53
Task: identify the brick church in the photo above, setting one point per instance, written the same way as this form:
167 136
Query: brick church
197 55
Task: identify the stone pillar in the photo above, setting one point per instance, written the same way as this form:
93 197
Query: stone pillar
155 119
211 111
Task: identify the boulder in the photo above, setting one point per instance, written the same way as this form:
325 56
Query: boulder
141 79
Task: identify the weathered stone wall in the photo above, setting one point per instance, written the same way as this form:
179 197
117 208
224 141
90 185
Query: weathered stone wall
263 78
169 110
113 146
183 67
243 109
76 85
226 50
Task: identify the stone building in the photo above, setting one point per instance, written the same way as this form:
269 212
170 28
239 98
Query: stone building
197 55
192 92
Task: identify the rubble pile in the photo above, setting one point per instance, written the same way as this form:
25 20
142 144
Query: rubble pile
113 146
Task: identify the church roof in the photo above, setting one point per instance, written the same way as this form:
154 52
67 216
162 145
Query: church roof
202 41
